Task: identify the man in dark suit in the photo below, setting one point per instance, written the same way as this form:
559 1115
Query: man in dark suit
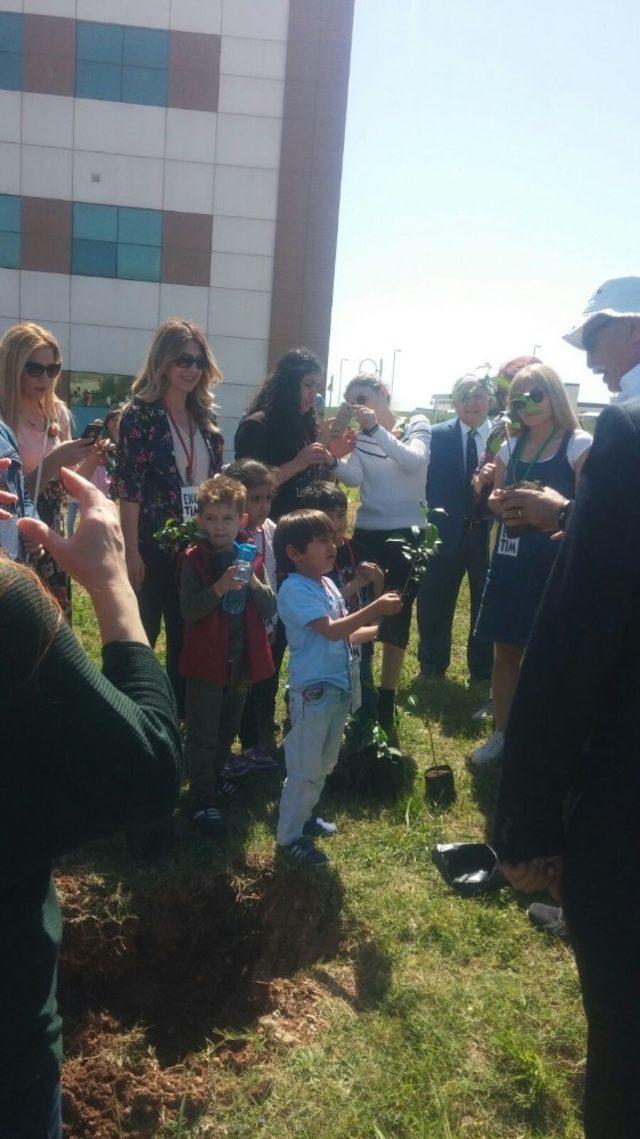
569 804
456 447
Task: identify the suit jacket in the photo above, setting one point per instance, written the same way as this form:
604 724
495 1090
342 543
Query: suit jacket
446 483
573 740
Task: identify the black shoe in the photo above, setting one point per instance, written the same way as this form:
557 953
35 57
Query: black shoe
548 918
315 827
209 822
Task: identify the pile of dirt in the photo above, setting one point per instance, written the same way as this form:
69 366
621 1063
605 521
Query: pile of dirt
153 971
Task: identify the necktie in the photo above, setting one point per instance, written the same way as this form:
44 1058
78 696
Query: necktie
471 465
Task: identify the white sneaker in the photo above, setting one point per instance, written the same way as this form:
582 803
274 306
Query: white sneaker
490 753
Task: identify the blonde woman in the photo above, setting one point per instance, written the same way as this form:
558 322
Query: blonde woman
168 444
30 364
552 449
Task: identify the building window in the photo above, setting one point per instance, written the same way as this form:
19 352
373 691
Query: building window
10 51
9 231
123 65
115 241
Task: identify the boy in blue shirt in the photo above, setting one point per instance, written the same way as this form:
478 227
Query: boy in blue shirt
323 675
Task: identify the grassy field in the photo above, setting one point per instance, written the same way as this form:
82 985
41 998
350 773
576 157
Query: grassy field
218 995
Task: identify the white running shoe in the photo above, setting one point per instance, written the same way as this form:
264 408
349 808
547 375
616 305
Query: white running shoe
490 754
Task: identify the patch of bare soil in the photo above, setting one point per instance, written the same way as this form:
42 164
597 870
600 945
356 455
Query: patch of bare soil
152 973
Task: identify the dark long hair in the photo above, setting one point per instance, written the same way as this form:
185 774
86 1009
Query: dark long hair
279 399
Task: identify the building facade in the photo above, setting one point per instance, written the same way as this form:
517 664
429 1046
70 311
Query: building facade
165 158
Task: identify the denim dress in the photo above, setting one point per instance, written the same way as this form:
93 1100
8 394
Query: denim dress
520 567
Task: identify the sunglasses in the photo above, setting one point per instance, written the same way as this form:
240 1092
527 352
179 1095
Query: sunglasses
187 361
590 338
520 401
32 368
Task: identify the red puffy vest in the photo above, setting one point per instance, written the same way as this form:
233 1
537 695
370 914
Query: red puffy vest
205 646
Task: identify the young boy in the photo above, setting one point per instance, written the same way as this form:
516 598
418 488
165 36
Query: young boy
258 729
320 635
222 653
359 583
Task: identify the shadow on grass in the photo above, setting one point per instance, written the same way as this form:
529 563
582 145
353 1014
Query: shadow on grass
448 703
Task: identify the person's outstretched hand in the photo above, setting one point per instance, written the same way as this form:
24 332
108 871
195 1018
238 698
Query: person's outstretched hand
94 554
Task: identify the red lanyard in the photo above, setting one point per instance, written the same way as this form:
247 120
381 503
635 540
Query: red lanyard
190 452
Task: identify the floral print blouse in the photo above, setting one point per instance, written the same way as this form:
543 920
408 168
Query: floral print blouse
146 469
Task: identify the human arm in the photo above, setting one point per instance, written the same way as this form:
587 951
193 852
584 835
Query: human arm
252 442
409 453
263 596
495 499
568 676
340 628
365 635
129 520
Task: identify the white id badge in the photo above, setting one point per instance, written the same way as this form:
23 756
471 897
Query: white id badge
189 502
506 545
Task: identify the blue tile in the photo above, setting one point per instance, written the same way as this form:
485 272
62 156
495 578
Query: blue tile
93 258
147 85
100 43
10 71
139 227
11 31
139 262
9 250
9 213
97 223
99 81
146 47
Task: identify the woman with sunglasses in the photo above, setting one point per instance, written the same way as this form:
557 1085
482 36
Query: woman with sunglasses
550 449
389 463
30 364
168 444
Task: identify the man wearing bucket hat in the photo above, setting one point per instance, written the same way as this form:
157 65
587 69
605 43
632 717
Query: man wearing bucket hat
569 798
456 447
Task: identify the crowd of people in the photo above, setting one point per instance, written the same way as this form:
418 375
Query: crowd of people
245 562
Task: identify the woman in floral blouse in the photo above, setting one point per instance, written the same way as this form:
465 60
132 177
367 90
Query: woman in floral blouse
168 444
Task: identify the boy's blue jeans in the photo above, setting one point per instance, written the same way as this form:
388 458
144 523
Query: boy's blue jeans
318 716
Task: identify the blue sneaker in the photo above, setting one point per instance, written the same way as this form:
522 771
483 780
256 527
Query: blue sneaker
302 851
315 827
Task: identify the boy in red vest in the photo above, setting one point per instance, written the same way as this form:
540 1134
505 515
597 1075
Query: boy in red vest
222 653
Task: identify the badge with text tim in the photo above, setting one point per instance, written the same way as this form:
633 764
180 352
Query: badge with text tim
189 502
507 545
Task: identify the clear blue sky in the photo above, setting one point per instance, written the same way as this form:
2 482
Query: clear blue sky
491 182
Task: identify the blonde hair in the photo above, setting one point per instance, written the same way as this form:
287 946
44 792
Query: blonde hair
16 346
222 489
152 381
563 414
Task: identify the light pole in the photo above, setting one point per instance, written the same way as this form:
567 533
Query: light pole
343 361
535 349
393 366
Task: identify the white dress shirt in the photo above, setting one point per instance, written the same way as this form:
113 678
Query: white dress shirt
481 438
630 385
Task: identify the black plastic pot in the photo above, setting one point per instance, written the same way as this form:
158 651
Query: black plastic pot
440 785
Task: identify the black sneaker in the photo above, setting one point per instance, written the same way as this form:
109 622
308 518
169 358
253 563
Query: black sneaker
228 789
303 852
548 918
315 827
210 822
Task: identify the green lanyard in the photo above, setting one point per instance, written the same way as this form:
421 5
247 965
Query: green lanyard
517 459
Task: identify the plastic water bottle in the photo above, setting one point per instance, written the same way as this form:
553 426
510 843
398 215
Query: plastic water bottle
235 600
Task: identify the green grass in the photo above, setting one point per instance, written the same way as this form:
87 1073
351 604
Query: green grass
438 1018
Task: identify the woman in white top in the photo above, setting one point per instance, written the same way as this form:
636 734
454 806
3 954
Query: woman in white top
389 463
551 449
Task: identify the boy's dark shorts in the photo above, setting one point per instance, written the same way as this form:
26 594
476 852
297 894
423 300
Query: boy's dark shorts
388 555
